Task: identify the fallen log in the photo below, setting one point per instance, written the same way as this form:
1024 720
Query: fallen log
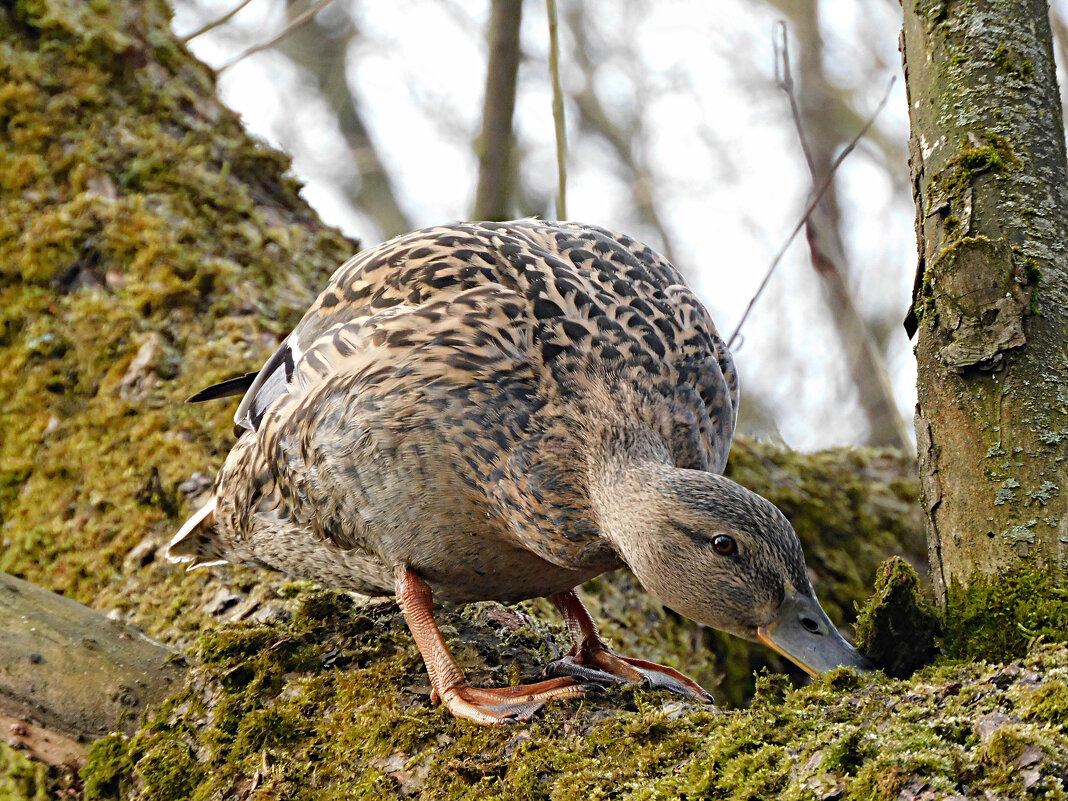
69 675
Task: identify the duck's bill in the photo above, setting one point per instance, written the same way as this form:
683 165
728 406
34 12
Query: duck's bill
804 634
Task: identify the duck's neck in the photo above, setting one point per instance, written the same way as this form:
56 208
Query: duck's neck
630 479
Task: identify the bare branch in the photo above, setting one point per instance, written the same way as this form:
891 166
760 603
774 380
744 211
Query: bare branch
874 390
784 79
297 22
216 23
811 207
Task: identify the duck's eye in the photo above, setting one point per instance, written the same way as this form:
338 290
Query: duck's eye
724 545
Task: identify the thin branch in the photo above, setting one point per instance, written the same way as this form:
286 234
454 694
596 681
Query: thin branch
558 111
874 389
811 207
784 79
216 23
298 21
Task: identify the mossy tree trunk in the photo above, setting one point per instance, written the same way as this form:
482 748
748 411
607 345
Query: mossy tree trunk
991 298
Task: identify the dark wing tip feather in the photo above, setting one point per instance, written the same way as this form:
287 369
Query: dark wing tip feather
237 385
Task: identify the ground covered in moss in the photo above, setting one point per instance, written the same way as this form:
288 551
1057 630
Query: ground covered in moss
333 702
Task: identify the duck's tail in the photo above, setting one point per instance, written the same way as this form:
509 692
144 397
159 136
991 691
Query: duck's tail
196 540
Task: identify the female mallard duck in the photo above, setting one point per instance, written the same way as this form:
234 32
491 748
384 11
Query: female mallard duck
503 411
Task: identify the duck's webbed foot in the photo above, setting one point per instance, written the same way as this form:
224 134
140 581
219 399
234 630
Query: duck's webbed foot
591 660
481 705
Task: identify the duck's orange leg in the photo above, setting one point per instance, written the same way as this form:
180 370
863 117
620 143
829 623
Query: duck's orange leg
482 705
590 658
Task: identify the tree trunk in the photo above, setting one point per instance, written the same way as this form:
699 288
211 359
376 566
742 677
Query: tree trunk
991 297
495 147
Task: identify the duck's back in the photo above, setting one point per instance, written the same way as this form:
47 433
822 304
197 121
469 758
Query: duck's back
563 299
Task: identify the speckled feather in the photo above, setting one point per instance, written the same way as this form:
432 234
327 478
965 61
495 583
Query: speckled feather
445 400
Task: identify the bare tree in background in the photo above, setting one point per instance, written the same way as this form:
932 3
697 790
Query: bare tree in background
823 136
495 146
628 137
321 49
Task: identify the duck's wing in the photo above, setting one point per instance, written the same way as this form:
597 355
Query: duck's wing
413 269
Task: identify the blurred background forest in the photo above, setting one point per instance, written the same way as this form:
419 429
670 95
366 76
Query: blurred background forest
397 117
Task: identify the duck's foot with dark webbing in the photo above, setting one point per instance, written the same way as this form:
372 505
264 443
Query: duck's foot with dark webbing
482 705
591 660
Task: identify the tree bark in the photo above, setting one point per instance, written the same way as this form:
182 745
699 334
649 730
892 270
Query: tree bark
497 174
987 154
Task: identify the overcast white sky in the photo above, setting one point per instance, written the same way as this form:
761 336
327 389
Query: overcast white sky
732 176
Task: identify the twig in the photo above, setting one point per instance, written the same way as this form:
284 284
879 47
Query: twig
811 207
216 23
784 79
875 391
558 112
298 21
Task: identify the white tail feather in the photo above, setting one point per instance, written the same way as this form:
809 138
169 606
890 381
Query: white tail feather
191 545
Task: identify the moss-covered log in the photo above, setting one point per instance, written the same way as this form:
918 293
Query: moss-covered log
333 704
991 188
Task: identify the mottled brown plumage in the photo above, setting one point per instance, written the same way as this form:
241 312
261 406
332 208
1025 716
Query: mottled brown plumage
503 411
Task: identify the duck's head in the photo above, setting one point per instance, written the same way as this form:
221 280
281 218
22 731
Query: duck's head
726 557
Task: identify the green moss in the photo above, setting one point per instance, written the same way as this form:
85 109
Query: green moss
153 217
995 156
896 629
22 779
108 763
350 718
997 617
1003 60
169 771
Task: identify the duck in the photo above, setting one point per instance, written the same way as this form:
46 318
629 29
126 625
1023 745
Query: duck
503 411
